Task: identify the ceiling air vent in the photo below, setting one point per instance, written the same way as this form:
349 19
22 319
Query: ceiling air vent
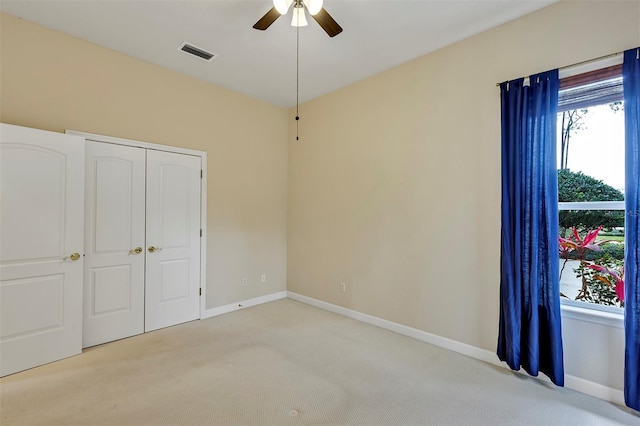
196 51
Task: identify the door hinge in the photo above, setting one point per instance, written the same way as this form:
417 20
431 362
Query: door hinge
201 233
200 291
201 173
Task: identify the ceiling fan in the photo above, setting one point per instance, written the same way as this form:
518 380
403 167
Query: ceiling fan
314 7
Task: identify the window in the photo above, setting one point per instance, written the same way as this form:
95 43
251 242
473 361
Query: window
591 179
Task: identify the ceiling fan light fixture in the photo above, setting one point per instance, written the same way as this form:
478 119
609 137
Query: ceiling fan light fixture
282 6
322 17
299 17
313 6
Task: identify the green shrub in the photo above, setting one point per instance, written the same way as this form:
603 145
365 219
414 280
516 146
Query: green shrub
615 250
578 187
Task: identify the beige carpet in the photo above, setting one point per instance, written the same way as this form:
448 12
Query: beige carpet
287 363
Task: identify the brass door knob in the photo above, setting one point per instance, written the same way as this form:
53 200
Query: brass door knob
73 256
136 250
152 249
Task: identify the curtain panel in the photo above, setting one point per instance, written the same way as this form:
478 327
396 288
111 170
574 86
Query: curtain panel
530 335
631 87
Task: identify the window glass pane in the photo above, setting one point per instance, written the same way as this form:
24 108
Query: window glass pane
591 168
591 142
591 260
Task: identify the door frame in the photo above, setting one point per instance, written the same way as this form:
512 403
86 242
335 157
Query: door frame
203 192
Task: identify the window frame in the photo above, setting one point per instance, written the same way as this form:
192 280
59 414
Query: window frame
571 77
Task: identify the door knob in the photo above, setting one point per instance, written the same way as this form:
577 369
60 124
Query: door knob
73 256
152 249
136 250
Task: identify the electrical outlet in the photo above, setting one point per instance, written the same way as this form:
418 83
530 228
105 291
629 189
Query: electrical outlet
343 286
245 281
263 278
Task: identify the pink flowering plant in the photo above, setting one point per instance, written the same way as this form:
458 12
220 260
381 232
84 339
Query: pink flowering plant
602 279
611 278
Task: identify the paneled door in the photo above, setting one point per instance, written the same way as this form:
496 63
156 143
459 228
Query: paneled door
173 239
114 241
41 247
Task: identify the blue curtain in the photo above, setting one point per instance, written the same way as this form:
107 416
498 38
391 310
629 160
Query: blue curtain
530 333
631 83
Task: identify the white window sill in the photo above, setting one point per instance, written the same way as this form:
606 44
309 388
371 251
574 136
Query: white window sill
611 317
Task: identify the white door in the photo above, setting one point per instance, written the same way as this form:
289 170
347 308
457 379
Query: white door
173 239
114 242
41 228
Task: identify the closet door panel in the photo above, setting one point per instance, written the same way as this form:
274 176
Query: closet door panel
173 239
115 228
41 226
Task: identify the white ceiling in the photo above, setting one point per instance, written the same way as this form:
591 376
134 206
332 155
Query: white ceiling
378 35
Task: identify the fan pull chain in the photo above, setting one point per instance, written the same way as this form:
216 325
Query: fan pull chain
297 81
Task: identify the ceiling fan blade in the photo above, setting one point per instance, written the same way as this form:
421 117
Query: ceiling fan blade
327 23
268 19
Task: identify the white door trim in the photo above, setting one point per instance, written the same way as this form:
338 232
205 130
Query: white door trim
203 192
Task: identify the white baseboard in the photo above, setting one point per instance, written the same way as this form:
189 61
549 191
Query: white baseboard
220 310
581 385
433 339
594 389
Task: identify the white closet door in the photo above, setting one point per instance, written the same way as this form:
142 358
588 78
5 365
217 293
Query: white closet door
173 239
41 227
114 241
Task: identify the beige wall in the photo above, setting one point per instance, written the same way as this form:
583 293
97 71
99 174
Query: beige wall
394 186
52 81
